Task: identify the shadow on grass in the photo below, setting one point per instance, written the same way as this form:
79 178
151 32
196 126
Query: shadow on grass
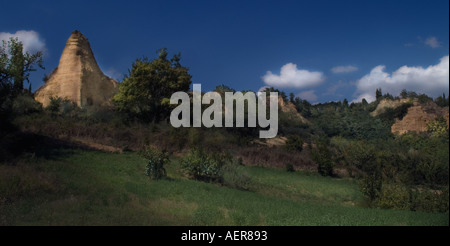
16 144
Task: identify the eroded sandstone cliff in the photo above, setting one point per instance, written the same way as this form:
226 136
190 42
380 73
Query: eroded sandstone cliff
78 77
289 108
418 117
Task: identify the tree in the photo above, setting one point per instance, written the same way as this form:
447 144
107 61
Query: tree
322 156
302 106
378 94
145 91
388 96
345 103
283 95
224 88
442 101
363 156
15 68
412 94
15 65
291 97
404 94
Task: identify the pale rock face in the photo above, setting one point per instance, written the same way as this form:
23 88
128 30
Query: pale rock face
288 107
78 78
387 103
418 117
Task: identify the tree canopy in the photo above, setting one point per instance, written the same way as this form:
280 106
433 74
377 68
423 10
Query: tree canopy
146 90
15 68
15 65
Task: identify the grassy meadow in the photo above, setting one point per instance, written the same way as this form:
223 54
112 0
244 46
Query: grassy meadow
83 187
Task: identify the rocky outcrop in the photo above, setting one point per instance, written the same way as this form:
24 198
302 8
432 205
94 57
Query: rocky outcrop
78 77
418 117
388 103
289 108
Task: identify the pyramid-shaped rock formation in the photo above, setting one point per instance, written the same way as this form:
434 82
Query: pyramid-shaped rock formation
78 77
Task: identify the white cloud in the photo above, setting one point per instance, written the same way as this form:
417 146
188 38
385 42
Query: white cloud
308 95
344 69
433 42
291 77
31 40
432 80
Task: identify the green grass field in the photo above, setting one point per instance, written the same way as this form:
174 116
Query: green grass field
77 187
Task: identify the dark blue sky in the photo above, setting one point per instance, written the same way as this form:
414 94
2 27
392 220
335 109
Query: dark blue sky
236 42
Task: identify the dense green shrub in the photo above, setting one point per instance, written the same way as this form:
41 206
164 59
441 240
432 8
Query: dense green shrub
234 176
290 168
25 104
397 196
53 106
294 143
394 196
403 173
354 122
60 106
438 127
201 166
220 168
390 114
430 200
371 184
442 101
322 156
240 162
156 161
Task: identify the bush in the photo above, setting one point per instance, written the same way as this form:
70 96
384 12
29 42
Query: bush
53 106
240 162
322 156
201 166
430 200
294 143
290 167
60 106
438 127
432 171
396 196
25 104
371 182
220 168
390 114
371 185
234 177
67 107
156 161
